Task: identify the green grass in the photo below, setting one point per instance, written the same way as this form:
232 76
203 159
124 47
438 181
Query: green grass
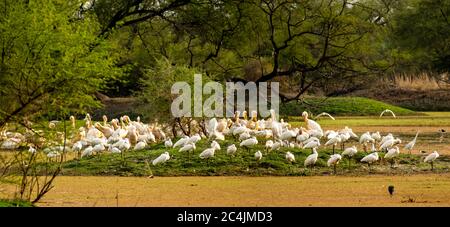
425 119
15 203
134 163
350 106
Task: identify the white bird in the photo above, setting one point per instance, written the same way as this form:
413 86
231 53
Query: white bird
290 157
387 111
181 142
411 144
140 146
350 151
391 154
244 136
325 114
288 135
98 148
258 156
215 145
87 152
269 145
364 139
248 143
212 126
194 139
389 143
77 146
376 136
389 136
231 150
114 150
370 158
315 143
53 154
334 160
302 137
207 153
276 146
333 141
32 149
164 157
311 159
188 147
168 143
431 158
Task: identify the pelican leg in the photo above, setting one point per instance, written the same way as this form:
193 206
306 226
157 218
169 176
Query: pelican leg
334 169
333 148
432 167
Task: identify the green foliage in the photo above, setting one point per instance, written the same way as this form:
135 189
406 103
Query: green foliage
15 203
155 99
421 33
52 61
243 164
341 106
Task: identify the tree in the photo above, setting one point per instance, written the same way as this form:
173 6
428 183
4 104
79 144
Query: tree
47 61
421 32
306 42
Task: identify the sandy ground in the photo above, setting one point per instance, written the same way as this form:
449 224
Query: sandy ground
417 190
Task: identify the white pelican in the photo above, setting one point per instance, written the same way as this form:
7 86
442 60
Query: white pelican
312 126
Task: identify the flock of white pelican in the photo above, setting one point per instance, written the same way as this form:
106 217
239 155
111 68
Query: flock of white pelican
123 135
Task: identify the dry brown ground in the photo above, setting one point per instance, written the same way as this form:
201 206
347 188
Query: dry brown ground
416 190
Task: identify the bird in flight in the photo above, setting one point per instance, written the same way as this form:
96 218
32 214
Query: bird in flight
387 111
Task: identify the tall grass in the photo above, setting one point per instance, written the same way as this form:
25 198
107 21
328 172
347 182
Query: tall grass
421 82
